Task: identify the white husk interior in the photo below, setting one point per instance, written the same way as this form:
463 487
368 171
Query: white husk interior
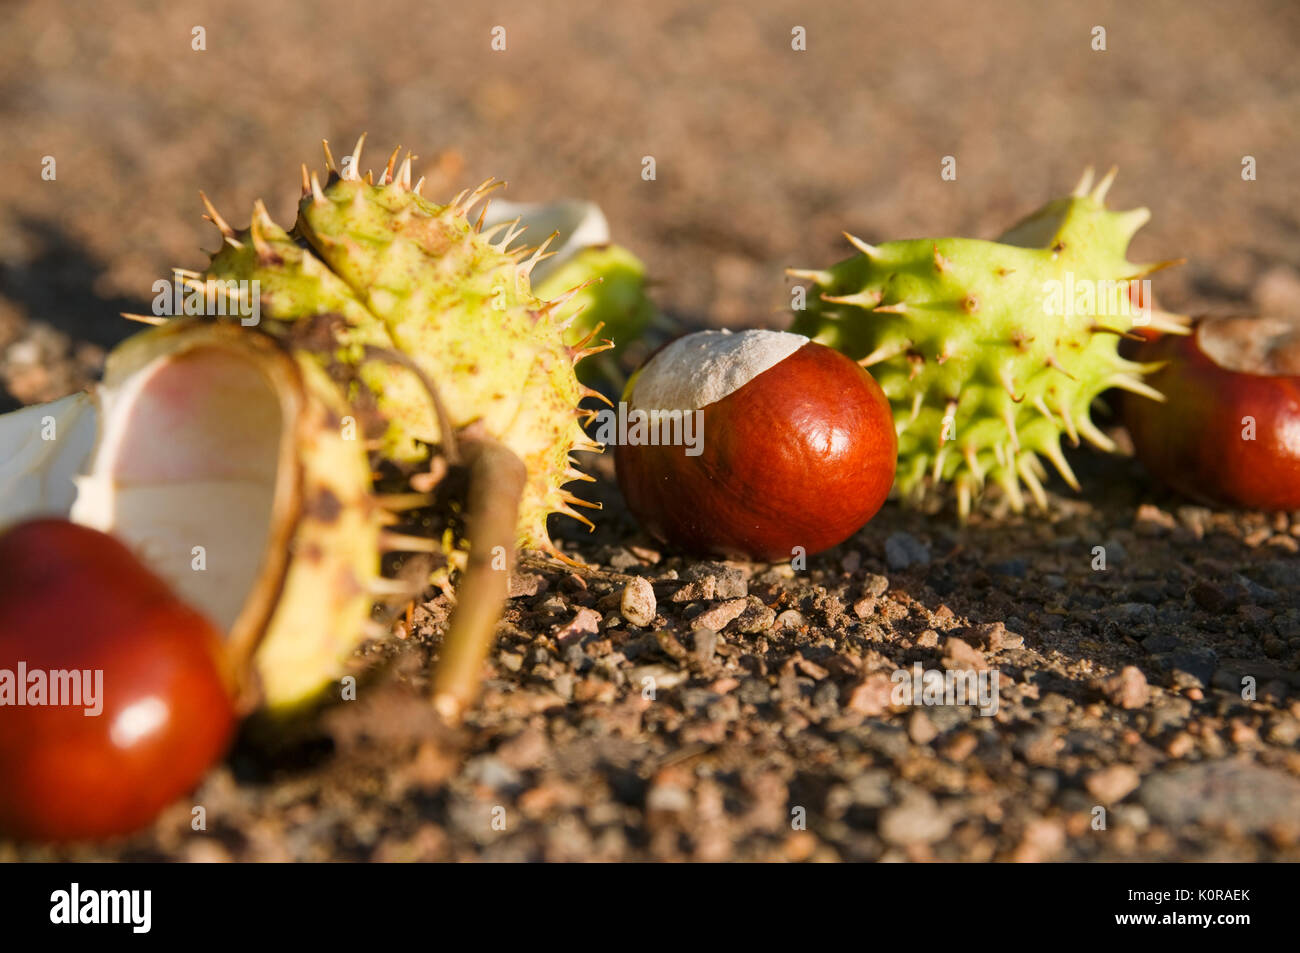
702 368
187 458
36 473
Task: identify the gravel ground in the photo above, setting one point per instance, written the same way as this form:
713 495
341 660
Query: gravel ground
751 718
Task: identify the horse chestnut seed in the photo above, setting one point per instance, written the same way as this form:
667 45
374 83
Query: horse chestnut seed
114 698
793 445
1229 429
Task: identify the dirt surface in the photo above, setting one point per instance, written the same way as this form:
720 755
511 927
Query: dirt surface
752 718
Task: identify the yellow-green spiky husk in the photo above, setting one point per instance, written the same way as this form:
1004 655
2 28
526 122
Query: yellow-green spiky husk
990 351
378 268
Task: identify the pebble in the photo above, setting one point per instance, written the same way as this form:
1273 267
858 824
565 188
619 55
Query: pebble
705 644
875 585
1153 521
921 729
697 590
638 604
584 622
1128 689
525 584
1241 793
1043 839
871 788
961 654
720 616
1113 784
903 550
623 559
864 607
917 820
491 771
791 619
757 617
872 696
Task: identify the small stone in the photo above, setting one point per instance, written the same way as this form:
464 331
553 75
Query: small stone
623 559
1284 730
667 799
1128 689
1153 521
1259 595
791 619
917 820
875 585
990 635
1257 538
720 616
959 653
669 645
1113 784
1043 839
638 604
1244 794
873 696
698 590
525 584
921 729
903 550
660 677
864 607
757 617
730 584
961 747
584 622
705 644
491 772
871 788
1180 745
1216 596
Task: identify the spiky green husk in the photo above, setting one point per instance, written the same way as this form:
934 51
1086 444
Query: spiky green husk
405 275
984 369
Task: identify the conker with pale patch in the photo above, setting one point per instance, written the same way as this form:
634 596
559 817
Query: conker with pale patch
73 599
798 446
1228 431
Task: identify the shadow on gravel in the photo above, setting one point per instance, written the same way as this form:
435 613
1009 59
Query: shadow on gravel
57 286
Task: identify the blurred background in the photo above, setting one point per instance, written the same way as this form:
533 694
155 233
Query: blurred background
763 154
